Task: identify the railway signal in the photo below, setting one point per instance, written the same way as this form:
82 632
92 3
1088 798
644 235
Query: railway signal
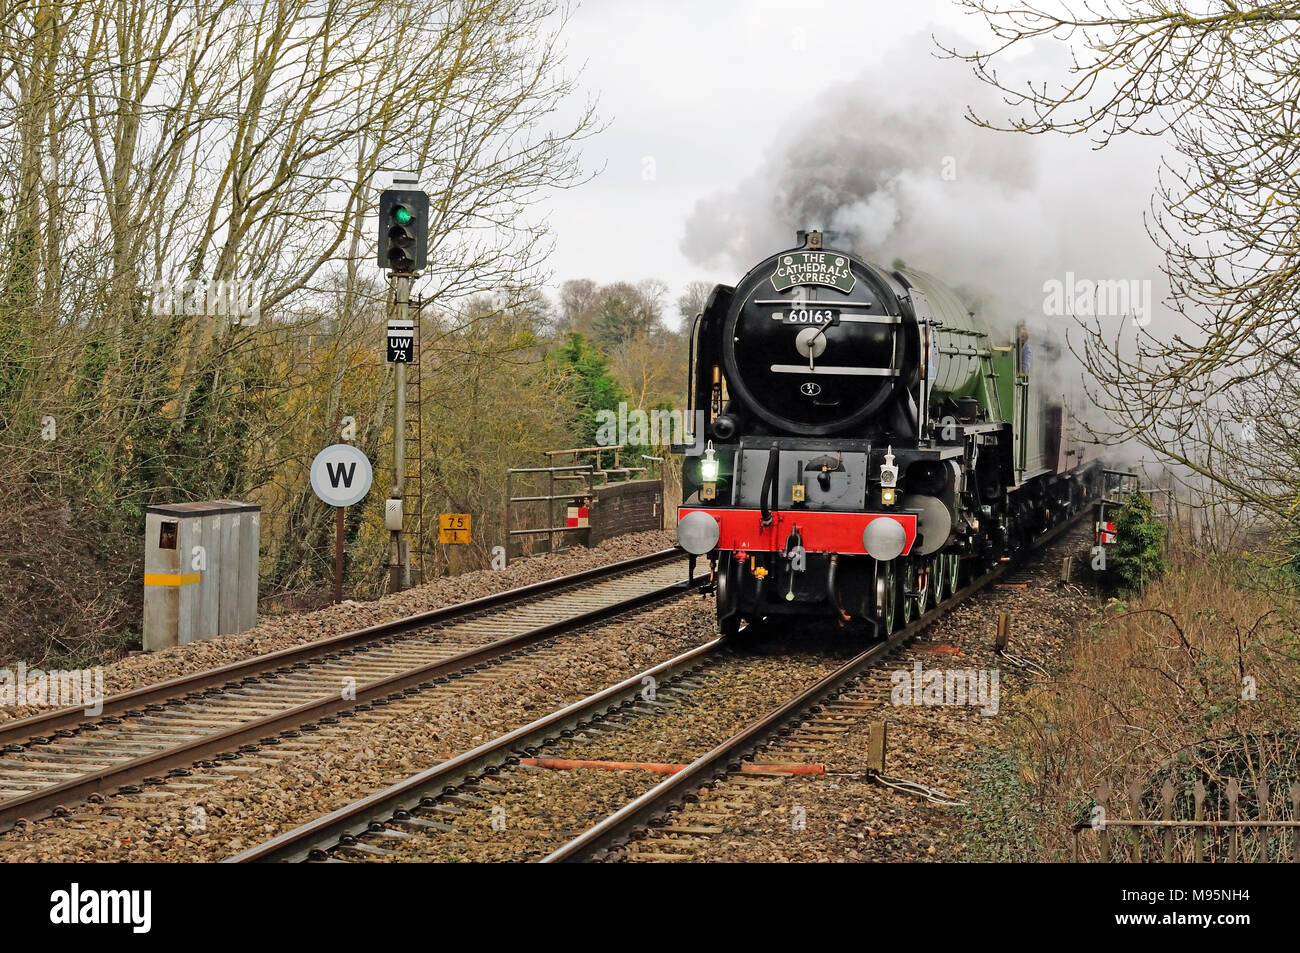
401 248
403 230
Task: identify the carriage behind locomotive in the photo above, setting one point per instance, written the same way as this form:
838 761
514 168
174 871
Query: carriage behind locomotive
868 442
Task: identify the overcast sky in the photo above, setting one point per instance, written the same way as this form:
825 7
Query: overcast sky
699 96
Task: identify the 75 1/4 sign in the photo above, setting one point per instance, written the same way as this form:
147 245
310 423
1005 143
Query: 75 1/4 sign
454 527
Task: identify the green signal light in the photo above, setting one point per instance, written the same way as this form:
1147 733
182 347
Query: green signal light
402 215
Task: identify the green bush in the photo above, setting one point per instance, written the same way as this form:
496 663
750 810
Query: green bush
1139 543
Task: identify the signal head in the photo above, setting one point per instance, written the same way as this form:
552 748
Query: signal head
403 229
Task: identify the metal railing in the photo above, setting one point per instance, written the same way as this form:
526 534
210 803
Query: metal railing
584 480
516 506
598 470
1202 839
1118 485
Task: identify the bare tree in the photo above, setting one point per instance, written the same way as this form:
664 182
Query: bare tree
156 148
692 301
1223 85
577 303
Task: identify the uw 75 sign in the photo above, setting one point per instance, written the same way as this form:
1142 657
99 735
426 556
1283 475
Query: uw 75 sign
401 340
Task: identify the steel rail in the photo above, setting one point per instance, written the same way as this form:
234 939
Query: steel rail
41 726
726 756
353 820
347 825
263 730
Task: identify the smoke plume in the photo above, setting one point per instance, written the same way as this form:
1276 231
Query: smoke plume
891 164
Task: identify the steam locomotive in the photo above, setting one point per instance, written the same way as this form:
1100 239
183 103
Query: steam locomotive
868 444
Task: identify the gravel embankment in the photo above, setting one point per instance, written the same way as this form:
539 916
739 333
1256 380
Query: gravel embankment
284 631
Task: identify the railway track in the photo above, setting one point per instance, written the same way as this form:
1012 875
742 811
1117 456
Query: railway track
424 806
54 759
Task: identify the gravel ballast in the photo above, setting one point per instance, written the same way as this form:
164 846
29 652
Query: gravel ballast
285 631
844 815
221 816
526 812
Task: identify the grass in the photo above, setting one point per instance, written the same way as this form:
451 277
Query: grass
1196 678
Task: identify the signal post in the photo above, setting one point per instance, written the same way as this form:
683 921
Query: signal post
401 248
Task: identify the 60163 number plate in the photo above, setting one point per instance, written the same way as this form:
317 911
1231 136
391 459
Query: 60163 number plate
808 317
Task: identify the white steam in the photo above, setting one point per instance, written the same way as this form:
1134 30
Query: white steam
891 164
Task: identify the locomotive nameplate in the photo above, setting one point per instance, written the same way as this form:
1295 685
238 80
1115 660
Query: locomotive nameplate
813 268
808 317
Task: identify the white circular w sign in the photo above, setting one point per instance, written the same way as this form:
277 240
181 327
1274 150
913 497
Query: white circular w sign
341 475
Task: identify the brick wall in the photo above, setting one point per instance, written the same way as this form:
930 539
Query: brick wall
636 506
